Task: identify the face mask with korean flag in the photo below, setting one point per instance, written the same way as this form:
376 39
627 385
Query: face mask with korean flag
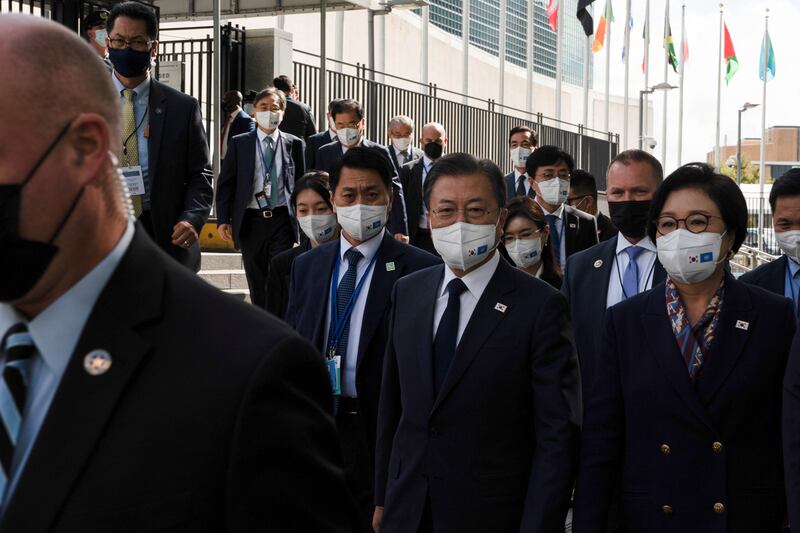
463 245
690 257
362 222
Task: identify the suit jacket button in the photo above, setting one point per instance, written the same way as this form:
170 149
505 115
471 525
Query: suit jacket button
719 508
717 447
665 449
666 509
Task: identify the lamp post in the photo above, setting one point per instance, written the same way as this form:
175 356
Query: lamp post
744 108
664 86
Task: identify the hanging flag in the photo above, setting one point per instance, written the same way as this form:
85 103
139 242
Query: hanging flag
552 14
684 48
770 59
646 37
670 46
600 35
585 17
732 64
627 36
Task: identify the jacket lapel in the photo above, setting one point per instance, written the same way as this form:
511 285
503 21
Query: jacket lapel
775 278
570 230
321 285
83 403
288 167
606 254
248 163
158 113
423 321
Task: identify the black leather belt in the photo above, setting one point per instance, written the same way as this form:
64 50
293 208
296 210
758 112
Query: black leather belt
266 213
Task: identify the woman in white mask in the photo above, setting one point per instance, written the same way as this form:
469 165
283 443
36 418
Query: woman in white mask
684 413
311 203
526 239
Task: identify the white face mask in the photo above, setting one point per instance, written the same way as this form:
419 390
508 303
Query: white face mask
689 257
362 222
348 136
269 120
519 156
100 37
401 144
554 191
525 252
789 241
318 228
463 245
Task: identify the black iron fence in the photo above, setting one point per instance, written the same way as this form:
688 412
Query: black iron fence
70 13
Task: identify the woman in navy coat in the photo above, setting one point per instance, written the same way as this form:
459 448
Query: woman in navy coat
684 417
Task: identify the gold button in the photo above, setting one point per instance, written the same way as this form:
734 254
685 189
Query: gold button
719 508
717 447
665 449
666 509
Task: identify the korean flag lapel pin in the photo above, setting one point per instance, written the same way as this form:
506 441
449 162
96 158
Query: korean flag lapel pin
741 324
500 307
97 362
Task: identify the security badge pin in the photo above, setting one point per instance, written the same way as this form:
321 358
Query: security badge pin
500 307
572 225
97 362
741 324
598 263
390 266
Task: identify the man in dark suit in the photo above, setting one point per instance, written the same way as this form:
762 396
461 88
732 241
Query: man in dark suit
583 196
318 140
522 141
297 119
349 121
358 269
412 176
236 120
254 191
130 411
480 408
782 276
165 149
401 135
571 230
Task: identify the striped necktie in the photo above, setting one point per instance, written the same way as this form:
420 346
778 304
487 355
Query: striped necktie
17 350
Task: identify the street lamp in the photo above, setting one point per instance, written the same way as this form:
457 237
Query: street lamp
744 108
664 86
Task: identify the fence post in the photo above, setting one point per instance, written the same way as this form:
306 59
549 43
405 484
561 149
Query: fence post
580 146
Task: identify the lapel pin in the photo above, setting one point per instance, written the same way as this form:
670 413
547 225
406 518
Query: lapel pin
572 226
390 266
598 263
159 111
97 362
500 307
741 324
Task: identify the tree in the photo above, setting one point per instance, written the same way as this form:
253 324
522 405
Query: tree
750 172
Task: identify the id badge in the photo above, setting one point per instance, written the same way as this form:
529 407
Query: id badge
262 200
134 179
268 186
335 373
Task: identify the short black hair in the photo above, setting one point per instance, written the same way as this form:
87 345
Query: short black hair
639 156
787 185
722 190
461 164
135 11
317 181
283 83
546 156
363 158
344 106
524 129
583 183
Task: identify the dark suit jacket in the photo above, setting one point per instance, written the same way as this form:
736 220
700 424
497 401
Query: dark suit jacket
309 301
235 183
648 428
280 269
791 431
580 231
313 144
605 228
511 187
496 450
770 276
243 123
411 181
179 169
585 285
331 152
416 154
297 120
189 430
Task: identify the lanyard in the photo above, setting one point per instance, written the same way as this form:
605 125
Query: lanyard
265 167
339 322
792 289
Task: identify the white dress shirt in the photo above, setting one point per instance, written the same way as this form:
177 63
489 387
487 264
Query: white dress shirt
423 214
646 261
525 181
359 143
55 332
476 282
559 214
368 249
260 173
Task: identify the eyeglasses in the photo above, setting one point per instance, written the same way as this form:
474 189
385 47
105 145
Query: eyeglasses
695 223
471 214
550 175
136 44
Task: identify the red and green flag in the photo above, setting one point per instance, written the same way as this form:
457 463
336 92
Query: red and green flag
731 63
600 35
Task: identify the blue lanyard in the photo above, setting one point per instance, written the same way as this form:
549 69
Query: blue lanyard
338 322
792 289
267 168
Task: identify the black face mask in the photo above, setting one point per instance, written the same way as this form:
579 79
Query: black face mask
433 150
630 217
23 262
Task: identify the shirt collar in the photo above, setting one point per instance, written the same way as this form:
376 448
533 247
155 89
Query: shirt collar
427 161
517 174
56 330
332 134
557 213
359 143
142 91
477 280
274 135
367 248
646 244
794 266
235 112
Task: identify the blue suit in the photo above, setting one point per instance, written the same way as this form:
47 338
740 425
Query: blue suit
511 187
770 276
242 123
313 144
496 450
700 457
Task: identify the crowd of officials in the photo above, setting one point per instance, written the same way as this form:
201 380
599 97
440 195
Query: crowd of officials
461 350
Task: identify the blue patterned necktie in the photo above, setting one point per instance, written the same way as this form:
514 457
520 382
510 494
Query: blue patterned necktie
630 279
269 159
344 291
444 345
555 237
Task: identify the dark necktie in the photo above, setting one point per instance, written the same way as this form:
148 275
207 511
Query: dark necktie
17 350
344 291
521 185
555 237
444 345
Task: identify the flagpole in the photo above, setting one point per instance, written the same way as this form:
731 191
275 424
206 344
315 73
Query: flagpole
680 93
587 56
719 89
559 62
646 117
529 56
608 63
666 94
627 73
763 151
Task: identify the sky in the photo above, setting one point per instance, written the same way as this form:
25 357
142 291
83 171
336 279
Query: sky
745 21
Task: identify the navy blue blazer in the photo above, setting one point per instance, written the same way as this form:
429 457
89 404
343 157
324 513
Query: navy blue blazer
585 285
496 450
398 221
235 183
679 449
791 430
309 301
242 123
313 144
511 187
770 276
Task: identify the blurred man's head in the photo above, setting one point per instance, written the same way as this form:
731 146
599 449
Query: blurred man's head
94 30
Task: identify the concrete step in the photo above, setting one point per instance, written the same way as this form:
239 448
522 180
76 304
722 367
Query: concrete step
242 294
225 279
221 261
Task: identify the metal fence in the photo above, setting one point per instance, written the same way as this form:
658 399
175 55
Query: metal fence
70 13
770 245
